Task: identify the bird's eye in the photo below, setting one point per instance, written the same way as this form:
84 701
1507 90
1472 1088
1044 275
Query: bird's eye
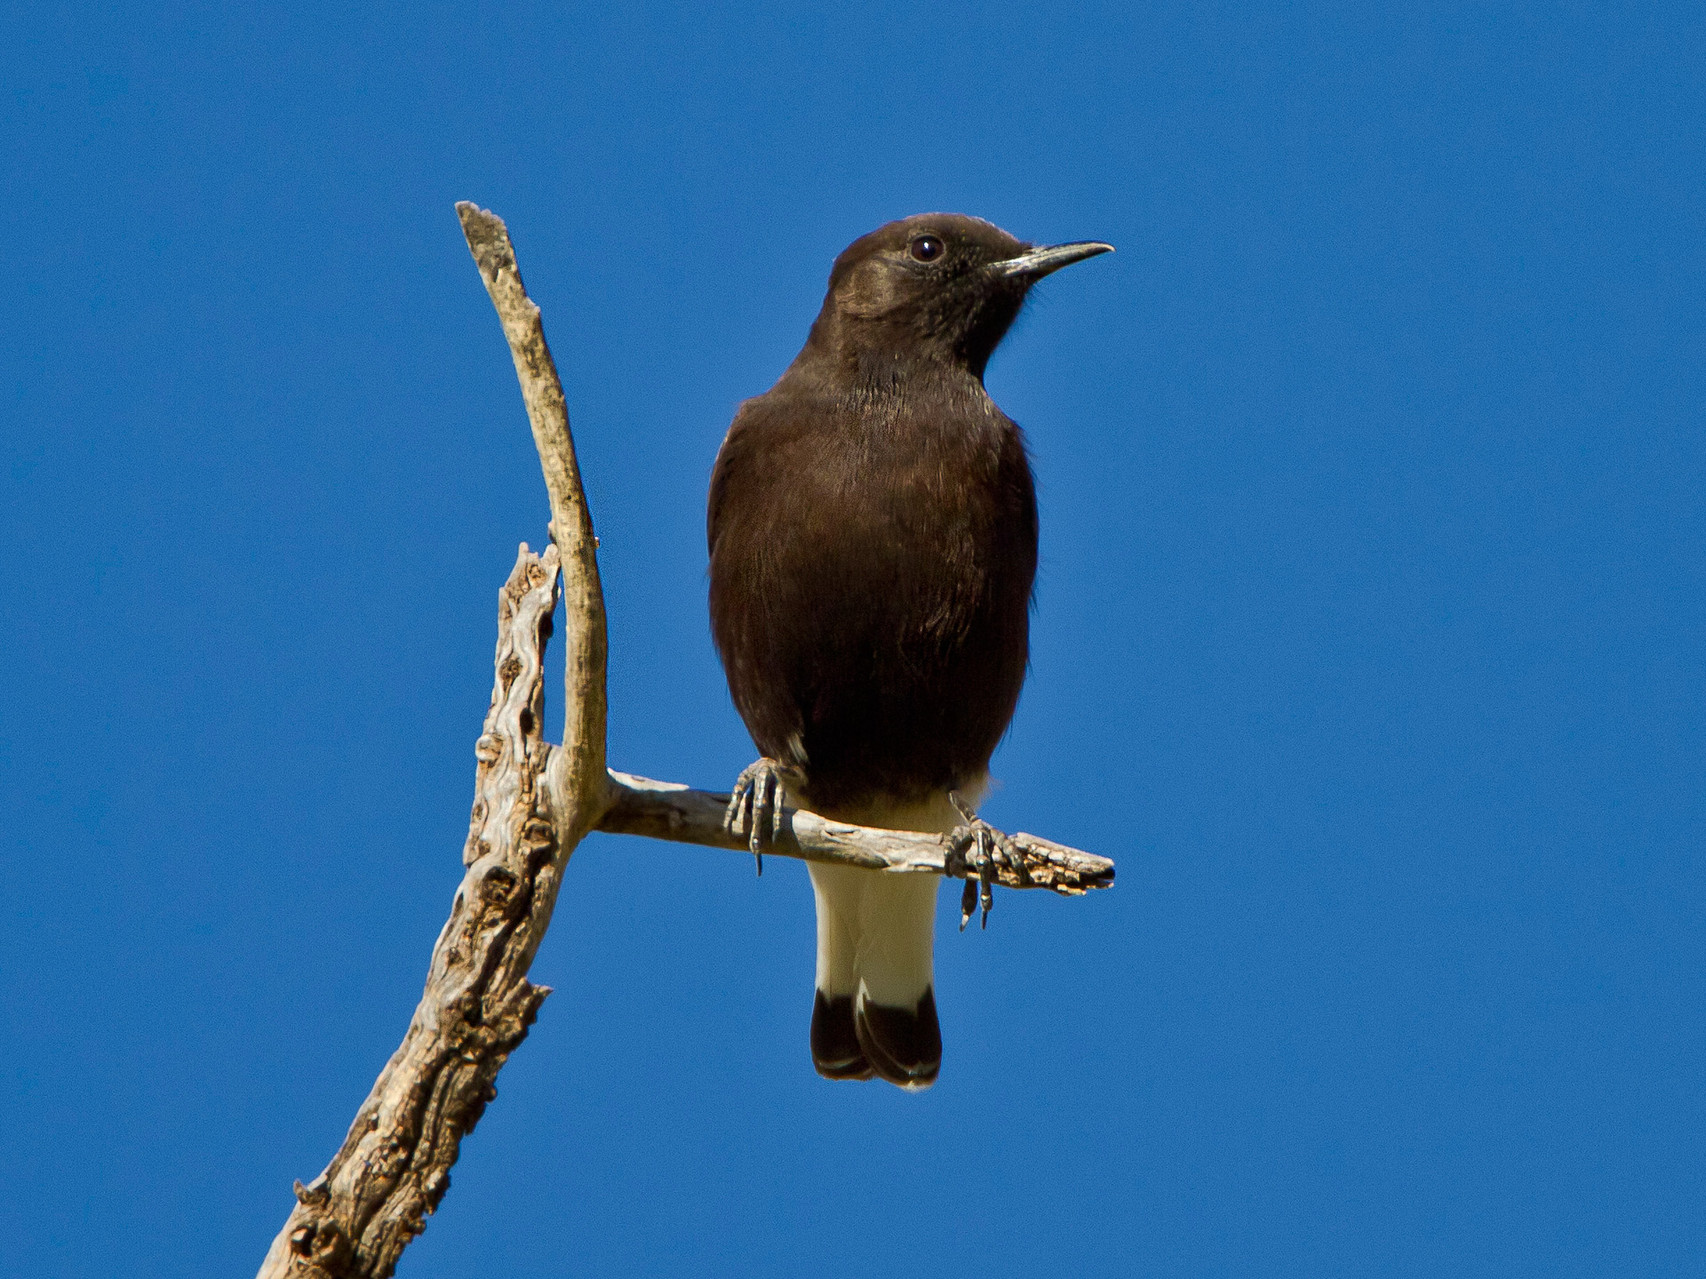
926 248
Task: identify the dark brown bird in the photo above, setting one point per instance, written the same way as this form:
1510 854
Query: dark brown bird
873 538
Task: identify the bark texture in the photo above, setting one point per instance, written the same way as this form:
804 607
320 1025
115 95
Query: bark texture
358 1215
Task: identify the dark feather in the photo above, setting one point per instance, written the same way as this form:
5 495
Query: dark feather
835 1042
903 1045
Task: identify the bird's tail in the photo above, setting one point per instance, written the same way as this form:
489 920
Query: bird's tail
874 1012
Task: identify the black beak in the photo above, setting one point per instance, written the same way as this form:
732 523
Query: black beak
1039 262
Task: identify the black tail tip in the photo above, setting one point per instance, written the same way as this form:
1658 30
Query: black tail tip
903 1045
835 1042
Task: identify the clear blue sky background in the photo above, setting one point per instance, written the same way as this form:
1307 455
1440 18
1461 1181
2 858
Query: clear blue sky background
1369 632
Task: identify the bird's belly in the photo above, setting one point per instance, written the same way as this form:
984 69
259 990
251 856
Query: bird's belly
907 666
870 598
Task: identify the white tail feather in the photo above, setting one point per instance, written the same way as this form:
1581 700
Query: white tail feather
876 929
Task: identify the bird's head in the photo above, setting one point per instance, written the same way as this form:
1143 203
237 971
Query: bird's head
938 285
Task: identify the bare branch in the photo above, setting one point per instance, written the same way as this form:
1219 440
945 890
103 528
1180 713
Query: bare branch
667 810
357 1216
579 770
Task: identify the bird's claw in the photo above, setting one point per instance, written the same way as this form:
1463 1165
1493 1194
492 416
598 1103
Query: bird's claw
755 806
982 850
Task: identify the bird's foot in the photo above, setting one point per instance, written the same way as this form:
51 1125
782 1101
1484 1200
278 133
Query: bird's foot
755 805
982 851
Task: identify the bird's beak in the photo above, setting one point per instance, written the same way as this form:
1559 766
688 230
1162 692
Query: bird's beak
1051 257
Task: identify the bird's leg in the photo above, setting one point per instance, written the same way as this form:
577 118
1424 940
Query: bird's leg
755 805
981 848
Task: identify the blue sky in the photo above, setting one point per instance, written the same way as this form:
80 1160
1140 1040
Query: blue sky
1368 633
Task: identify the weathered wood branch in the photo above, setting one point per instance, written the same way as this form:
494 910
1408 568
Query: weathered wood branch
666 810
357 1216
577 767
533 804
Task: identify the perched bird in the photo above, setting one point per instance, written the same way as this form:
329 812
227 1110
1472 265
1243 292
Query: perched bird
873 539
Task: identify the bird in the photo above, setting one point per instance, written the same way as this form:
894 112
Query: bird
872 529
